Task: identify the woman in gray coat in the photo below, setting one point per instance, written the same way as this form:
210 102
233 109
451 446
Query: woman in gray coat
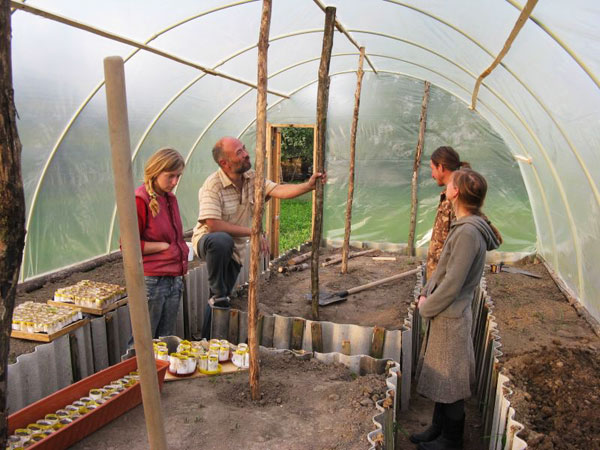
446 368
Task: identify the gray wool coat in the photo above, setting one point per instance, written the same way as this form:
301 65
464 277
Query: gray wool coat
446 367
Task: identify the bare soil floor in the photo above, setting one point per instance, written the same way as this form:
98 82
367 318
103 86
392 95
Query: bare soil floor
551 354
305 405
384 306
553 359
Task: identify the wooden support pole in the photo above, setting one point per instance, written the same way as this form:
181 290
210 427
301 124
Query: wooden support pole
12 210
415 176
319 160
259 197
118 125
346 246
525 13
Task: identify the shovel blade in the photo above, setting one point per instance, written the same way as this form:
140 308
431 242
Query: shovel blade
326 298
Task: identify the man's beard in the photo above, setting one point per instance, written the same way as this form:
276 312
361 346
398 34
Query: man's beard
244 167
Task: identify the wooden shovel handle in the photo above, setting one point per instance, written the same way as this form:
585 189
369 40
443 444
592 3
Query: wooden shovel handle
356 289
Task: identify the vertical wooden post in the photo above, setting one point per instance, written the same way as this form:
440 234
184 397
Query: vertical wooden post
319 160
415 176
118 125
346 246
12 208
259 197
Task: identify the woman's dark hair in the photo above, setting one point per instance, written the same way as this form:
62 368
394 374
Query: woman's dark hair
449 159
472 188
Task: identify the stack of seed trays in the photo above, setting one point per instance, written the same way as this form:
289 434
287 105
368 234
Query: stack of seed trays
30 317
90 294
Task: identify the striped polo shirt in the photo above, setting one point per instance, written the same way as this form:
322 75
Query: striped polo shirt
220 199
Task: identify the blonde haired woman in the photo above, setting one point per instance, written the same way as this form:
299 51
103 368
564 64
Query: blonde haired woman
164 252
446 368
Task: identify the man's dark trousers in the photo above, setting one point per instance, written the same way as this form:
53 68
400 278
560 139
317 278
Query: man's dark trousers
217 250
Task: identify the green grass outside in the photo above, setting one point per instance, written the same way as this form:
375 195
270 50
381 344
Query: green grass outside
294 222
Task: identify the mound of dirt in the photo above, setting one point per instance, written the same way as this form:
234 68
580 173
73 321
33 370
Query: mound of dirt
305 404
558 397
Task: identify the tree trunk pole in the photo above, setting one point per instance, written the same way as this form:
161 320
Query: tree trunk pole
12 208
346 246
415 177
259 197
118 125
319 160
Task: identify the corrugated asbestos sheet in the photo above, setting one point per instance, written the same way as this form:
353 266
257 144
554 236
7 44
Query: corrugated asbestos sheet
99 344
104 340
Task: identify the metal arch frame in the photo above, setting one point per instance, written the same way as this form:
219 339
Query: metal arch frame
496 115
527 128
533 135
86 102
563 133
101 84
380 34
561 43
571 146
192 149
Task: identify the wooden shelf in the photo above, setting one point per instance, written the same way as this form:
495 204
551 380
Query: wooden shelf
93 311
44 337
227 367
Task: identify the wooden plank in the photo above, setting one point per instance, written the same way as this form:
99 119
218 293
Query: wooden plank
259 327
75 363
346 348
297 333
234 322
317 337
338 258
377 342
227 367
388 429
44 337
384 258
93 311
291 125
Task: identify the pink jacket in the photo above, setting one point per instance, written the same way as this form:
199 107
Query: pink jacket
165 227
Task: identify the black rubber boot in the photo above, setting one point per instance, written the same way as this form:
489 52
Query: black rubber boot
434 430
451 437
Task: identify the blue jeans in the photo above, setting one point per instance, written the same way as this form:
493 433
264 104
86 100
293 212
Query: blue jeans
163 295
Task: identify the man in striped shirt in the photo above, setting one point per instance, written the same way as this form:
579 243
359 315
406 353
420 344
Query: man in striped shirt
225 218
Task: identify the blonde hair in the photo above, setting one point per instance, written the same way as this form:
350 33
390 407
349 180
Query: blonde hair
164 160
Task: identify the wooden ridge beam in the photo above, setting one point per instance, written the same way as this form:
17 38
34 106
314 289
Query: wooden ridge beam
523 17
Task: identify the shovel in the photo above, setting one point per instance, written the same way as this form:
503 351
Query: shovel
326 298
495 268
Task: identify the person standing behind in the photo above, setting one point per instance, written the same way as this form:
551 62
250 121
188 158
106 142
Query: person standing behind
226 202
446 367
444 161
164 252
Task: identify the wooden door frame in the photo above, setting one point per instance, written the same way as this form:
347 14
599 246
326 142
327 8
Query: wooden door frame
274 173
